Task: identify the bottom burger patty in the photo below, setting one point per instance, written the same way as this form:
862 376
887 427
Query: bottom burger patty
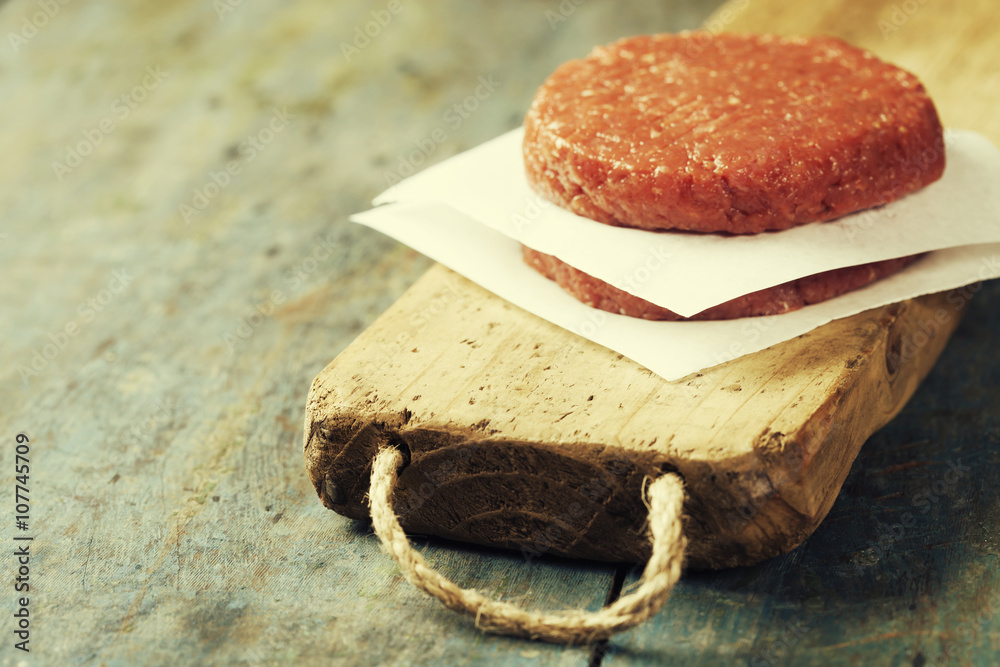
770 301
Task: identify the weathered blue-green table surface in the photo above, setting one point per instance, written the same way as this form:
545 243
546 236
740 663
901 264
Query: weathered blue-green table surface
177 267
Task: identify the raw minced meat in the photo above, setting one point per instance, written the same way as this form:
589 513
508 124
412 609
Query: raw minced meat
770 301
729 133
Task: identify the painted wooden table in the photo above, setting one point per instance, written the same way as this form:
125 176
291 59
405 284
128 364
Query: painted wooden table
178 266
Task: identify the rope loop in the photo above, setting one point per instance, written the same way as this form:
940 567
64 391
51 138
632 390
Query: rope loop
666 499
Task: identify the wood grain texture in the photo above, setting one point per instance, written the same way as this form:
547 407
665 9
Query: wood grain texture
506 417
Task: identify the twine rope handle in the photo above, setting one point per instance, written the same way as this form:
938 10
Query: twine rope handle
666 498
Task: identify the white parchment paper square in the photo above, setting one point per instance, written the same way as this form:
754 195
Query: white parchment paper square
669 349
690 272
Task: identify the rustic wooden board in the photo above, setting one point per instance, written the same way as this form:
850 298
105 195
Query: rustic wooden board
523 435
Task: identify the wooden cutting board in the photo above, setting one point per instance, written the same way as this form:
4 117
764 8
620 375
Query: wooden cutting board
520 434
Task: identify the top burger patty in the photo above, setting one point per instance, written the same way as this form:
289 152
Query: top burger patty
729 133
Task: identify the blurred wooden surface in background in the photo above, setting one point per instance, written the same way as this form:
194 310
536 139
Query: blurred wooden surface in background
210 158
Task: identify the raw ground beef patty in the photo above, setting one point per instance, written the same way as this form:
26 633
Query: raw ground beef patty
729 133
771 301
